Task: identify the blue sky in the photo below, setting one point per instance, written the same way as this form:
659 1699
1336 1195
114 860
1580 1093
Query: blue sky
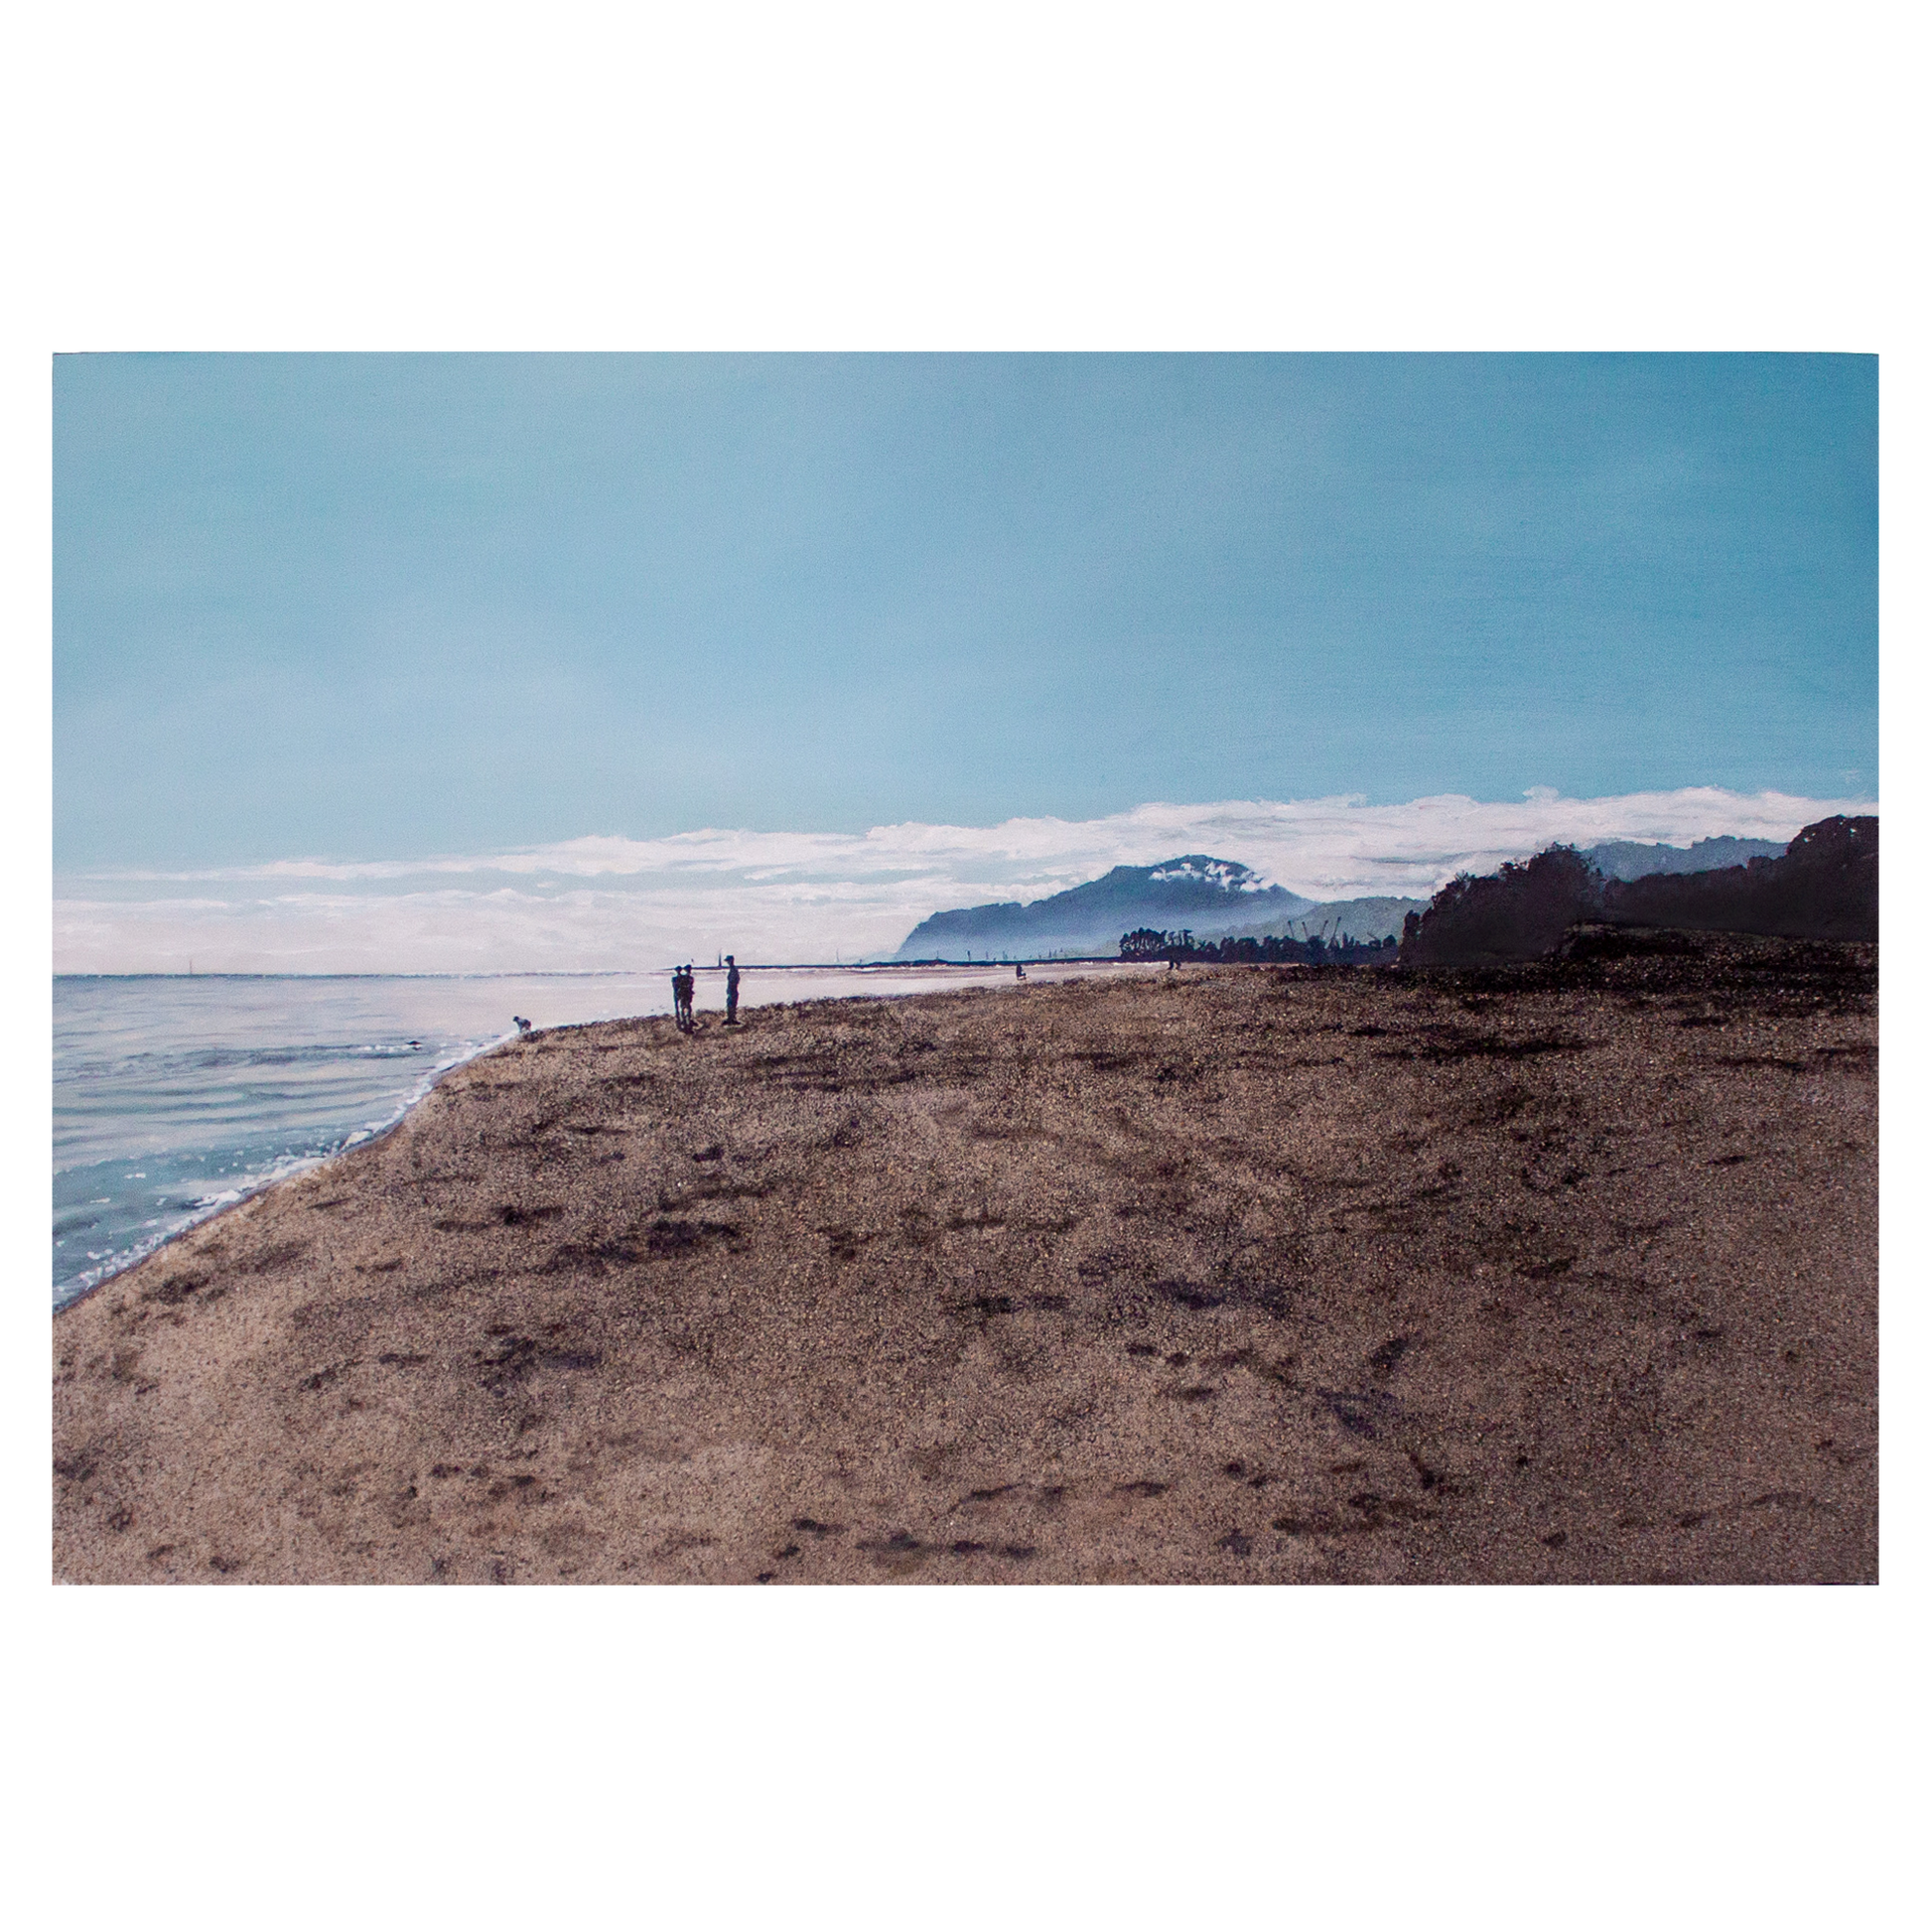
378 610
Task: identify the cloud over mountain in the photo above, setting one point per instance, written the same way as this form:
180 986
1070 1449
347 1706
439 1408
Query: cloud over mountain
1193 889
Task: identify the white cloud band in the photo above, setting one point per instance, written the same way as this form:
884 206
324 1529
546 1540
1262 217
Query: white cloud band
602 902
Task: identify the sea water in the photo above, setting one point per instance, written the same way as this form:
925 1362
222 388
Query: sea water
174 1097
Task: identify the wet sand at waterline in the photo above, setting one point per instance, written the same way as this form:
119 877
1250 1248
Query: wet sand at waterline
1552 1274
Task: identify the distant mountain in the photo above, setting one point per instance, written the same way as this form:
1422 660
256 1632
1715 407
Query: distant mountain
1822 886
1358 919
1627 859
1193 891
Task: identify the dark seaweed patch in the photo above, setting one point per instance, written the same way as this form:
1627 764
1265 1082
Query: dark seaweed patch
901 1543
1189 1294
1382 1364
666 1238
513 1358
1359 1412
172 1293
510 1215
278 1256
573 1254
1548 1269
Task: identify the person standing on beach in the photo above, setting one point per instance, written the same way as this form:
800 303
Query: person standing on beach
680 997
730 990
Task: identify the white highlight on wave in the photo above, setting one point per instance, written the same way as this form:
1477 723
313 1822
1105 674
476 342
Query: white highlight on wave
613 903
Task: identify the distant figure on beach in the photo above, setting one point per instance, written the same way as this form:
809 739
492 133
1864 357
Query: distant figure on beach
730 990
1019 970
681 996
522 1025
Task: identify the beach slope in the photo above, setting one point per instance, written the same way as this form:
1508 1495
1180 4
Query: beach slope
1559 1272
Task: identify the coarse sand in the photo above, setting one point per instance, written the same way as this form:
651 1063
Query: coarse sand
1553 1274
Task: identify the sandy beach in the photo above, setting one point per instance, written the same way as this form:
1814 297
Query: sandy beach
1558 1274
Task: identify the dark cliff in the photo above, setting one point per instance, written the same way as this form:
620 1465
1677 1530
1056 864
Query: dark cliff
1824 885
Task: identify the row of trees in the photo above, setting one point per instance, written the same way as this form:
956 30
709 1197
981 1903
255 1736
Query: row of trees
1182 948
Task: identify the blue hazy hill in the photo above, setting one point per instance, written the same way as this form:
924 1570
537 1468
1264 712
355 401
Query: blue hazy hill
1193 891
1629 859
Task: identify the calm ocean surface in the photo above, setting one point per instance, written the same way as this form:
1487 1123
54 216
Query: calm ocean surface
174 1097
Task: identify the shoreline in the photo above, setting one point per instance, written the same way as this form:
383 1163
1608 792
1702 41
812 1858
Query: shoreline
359 1136
932 1289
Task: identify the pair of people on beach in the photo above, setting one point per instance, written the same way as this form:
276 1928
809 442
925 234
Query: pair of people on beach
684 981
